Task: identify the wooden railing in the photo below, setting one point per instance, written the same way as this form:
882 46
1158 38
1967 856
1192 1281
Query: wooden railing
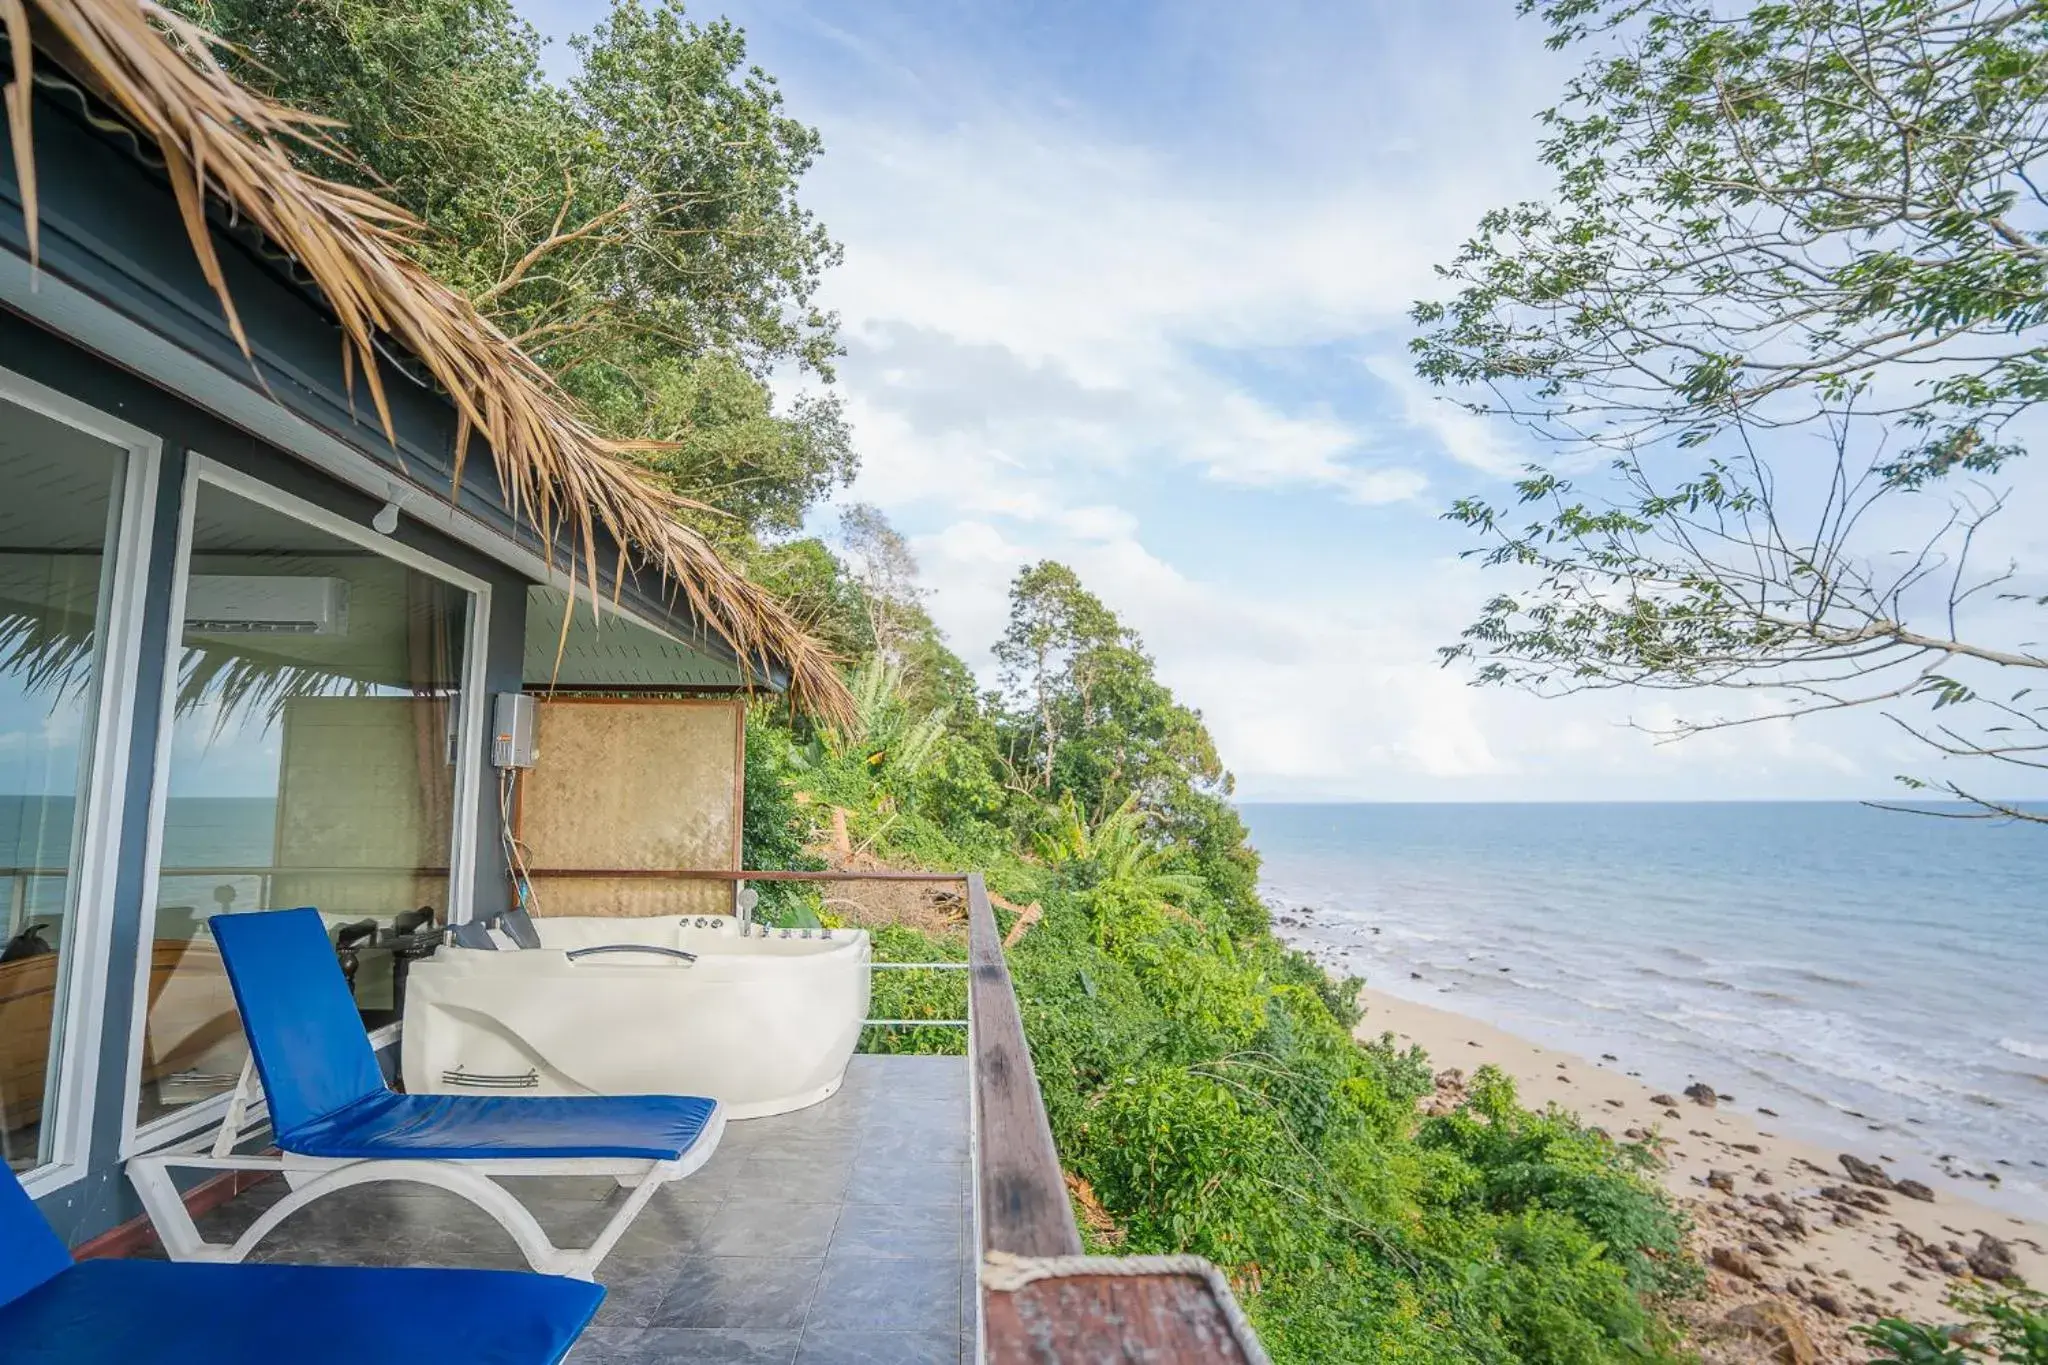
1041 1301
1062 1309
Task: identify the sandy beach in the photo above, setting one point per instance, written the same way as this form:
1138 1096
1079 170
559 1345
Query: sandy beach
1785 1225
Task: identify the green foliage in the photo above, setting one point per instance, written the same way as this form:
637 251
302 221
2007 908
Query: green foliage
1551 1161
2008 1326
649 196
917 994
1201 1076
885 736
724 443
1085 713
1760 212
772 827
634 227
1791 276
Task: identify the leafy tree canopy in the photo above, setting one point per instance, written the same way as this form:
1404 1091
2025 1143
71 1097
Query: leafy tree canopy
1086 713
1803 240
635 227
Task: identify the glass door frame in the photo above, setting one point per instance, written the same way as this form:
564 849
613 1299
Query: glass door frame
96 851
462 852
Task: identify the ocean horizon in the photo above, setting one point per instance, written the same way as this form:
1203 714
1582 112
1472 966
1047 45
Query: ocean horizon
1874 978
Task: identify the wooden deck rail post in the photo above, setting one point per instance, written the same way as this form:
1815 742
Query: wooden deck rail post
1081 1312
1023 1192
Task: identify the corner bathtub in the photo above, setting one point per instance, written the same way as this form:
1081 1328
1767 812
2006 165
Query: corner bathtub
763 1020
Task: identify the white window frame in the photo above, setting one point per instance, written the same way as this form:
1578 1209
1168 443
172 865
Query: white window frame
96 852
462 851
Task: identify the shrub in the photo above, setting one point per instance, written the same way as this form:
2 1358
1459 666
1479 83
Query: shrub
2009 1326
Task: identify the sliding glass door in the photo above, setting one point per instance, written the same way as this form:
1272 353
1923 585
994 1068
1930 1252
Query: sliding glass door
315 758
66 628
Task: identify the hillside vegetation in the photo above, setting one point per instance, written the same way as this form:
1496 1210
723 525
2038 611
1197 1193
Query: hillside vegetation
1200 1076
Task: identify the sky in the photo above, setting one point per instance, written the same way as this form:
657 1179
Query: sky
1126 286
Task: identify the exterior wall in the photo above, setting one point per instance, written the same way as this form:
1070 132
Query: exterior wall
103 1199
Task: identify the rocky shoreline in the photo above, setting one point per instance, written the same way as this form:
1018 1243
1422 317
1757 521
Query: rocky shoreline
1801 1243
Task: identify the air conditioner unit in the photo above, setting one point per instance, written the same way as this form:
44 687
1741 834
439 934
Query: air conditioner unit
250 604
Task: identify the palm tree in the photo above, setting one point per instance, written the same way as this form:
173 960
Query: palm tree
883 734
1131 869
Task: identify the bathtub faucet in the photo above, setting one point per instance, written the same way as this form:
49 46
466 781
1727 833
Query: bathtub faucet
746 900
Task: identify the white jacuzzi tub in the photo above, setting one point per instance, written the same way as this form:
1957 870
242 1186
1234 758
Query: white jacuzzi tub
762 1021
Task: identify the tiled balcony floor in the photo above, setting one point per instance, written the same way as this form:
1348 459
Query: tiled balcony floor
836 1235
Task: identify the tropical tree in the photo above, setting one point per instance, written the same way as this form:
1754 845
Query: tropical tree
1789 289
1135 888
885 735
1086 712
881 561
635 227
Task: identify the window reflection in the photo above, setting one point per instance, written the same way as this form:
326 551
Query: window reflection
56 526
311 763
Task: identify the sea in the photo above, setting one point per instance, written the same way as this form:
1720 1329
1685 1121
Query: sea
1878 979
199 831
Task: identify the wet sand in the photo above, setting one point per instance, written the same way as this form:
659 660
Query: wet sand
1779 1220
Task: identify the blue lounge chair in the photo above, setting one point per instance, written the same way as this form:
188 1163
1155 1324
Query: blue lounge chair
54 1312
336 1123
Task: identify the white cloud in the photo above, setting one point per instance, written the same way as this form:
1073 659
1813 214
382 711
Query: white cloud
1051 318
1487 445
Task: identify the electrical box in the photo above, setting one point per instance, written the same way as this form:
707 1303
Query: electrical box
512 731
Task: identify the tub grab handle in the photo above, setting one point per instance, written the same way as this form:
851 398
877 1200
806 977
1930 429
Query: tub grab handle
575 953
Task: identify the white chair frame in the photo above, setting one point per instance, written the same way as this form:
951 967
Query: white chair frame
471 1178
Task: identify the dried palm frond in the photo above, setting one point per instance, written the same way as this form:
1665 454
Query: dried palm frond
218 138
52 654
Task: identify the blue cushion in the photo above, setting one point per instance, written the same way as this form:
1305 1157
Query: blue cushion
327 1097
650 1127
159 1313
311 1051
29 1252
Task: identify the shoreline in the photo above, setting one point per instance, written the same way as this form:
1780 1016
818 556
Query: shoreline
1778 1218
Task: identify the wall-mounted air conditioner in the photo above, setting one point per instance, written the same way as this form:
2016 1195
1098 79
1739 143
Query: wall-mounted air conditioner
249 604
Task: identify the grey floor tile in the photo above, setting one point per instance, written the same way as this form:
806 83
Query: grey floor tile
797 1145
739 1291
792 1179
884 1295
672 1227
589 1187
707 1184
911 1145
933 1115
919 1232
878 1348
770 1227
637 1282
820 1123
617 1319
907 1182
694 1346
